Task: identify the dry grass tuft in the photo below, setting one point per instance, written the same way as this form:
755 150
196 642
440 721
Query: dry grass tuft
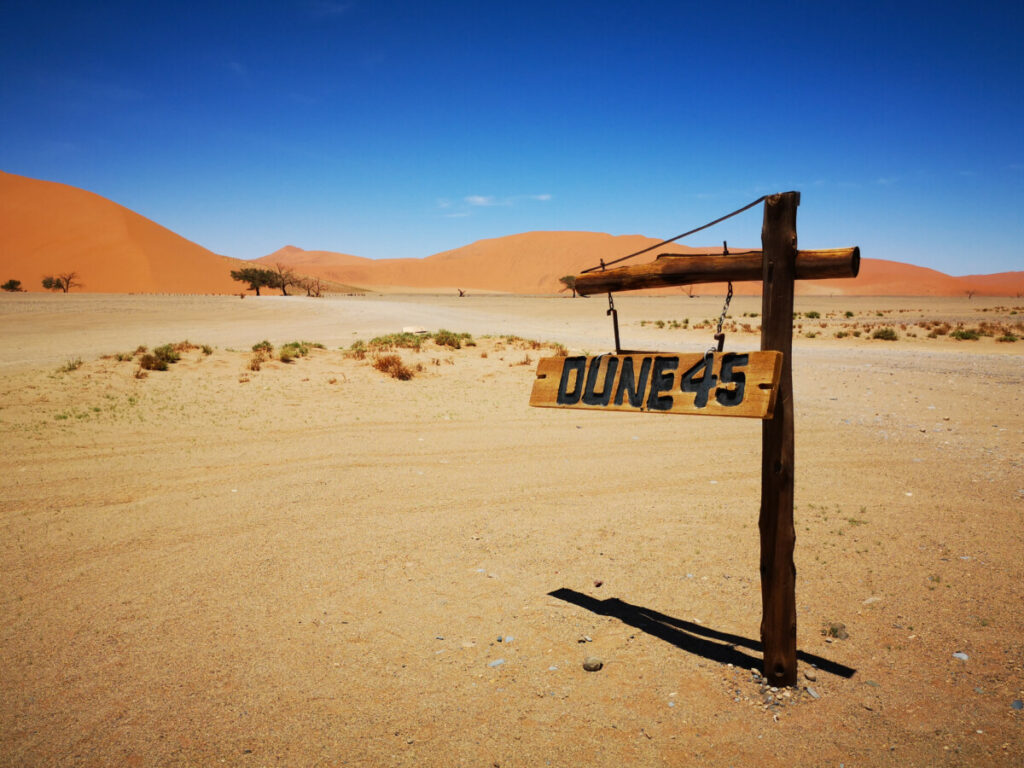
393 366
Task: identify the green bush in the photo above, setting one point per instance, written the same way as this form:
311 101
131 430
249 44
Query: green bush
1007 337
966 334
885 333
812 315
167 353
263 346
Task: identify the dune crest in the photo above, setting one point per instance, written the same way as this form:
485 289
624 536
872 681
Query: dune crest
48 228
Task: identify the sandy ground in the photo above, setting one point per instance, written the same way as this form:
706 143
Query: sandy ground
312 564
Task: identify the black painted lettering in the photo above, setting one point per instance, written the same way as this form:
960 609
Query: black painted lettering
699 385
569 366
600 398
729 375
662 379
633 387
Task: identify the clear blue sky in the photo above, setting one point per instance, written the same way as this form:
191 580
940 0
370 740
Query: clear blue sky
392 129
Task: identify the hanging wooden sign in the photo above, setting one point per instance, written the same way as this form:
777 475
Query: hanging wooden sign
717 384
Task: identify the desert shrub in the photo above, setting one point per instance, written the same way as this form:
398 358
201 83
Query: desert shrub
885 333
294 349
207 349
445 338
812 315
811 334
184 346
150 362
73 364
168 353
965 334
1007 337
403 340
525 361
393 366
123 357
841 334
847 313
141 350
12 286
357 350
264 346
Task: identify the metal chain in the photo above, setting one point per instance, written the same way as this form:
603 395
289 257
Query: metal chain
719 336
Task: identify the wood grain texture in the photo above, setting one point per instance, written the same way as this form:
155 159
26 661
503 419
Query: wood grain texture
778 571
690 269
741 384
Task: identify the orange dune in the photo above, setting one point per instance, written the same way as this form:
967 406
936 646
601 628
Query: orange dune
48 228
531 262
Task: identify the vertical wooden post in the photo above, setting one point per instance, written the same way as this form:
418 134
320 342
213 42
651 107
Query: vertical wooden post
778 571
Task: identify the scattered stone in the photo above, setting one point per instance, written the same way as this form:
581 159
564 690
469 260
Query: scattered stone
810 674
812 693
592 664
961 655
584 639
871 600
496 663
1017 704
439 637
598 583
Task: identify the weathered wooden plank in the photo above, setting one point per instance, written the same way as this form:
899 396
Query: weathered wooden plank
690 269
778 572
737 384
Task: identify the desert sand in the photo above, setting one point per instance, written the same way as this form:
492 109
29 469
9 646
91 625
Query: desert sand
315 564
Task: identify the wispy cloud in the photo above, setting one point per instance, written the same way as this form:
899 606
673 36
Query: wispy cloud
465 207
482 200
886 181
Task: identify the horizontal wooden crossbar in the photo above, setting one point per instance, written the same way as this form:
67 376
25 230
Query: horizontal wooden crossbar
690 269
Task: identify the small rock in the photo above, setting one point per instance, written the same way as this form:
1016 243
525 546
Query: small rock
584 639
496 663
810 675
871 600
592 664
813 693
598 583
1017 704
837 630
961 655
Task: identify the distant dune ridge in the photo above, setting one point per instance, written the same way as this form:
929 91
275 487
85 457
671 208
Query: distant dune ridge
48 228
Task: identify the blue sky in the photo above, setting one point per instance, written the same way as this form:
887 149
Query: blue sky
394 129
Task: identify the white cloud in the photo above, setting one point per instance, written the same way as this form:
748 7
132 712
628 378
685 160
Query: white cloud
483 200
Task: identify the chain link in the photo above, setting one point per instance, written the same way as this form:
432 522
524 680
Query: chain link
719 336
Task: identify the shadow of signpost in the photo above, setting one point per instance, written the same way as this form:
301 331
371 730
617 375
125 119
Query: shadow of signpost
697 639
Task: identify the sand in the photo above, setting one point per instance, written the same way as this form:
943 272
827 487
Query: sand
312 564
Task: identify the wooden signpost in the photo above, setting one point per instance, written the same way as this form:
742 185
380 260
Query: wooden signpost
753 384
723 384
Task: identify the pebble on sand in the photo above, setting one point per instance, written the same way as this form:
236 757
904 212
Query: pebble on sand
592 664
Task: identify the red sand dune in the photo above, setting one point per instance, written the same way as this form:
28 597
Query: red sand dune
48 228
